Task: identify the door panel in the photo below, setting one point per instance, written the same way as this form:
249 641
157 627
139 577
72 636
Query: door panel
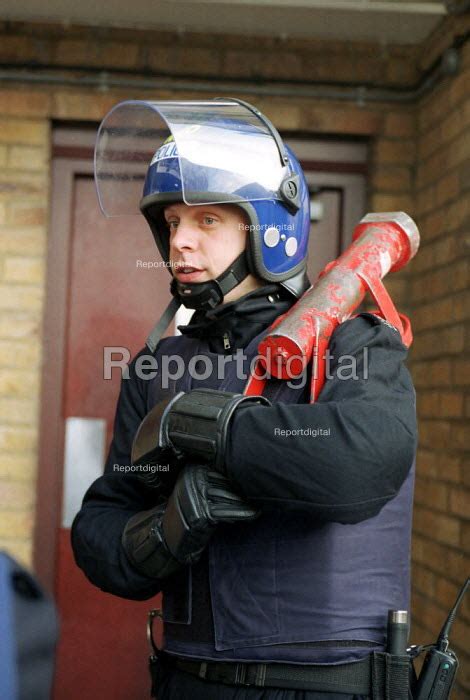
112 301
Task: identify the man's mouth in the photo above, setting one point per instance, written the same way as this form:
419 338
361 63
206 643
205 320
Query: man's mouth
187 273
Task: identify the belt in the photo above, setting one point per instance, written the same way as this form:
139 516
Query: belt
353 678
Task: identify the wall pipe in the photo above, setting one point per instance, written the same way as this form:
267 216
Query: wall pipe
446 65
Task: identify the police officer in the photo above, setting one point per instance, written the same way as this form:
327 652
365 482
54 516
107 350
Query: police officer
278 530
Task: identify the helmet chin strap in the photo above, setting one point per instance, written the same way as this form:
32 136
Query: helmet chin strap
199 295
208 295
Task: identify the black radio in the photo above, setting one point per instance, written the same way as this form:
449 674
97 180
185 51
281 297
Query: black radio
437 675
440 664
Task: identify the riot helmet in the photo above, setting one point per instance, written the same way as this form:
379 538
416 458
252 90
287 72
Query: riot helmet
152 154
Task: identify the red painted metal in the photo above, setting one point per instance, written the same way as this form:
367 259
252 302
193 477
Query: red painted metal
381 243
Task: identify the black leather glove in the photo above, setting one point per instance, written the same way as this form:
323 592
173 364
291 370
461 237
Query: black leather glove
145 546
159 464
160 541
200 501
197 424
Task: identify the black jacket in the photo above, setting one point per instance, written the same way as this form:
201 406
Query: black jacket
361 458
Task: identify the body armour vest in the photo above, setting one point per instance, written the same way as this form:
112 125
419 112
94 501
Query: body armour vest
286 587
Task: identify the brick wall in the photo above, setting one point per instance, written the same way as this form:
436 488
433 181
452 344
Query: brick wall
24 183
419 163
439 291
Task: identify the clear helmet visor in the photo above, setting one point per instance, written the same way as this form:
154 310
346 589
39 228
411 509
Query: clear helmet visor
224 152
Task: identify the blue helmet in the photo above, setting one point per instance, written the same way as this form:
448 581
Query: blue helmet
278 214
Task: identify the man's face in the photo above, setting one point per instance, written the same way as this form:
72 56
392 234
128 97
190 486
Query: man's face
204 240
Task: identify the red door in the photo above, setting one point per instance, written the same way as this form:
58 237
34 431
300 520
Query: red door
112 294
105 289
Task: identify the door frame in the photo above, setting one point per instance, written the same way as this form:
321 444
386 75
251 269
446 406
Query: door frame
64 171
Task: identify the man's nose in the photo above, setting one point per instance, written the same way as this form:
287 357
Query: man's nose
185 237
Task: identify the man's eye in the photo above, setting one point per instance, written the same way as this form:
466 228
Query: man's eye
208 220
172 225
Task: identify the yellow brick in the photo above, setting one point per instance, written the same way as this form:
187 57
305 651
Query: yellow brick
20 354
429 344
17 438
289 68
423 580
31 132
3 155
459 87
3 214
446 249
81 105
447 188
392 179
16 495
16 523
397 288
119 54
437 404
193 60
465 53
456 122
457 213
461 308
424 260
20 466
23 241
427 200
399 124
446 530
19 383
27 213
21 297
394 152
77 52
14 411
434 314
393 202
429 141
25 102
460 437
460 502
18 185
14 47
336 118
28 270
241 64
434 434
448 468
432 494
462 372
285 116
431 169
18 324
435 223
434 107
19 549
27 158
401 70
459 150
